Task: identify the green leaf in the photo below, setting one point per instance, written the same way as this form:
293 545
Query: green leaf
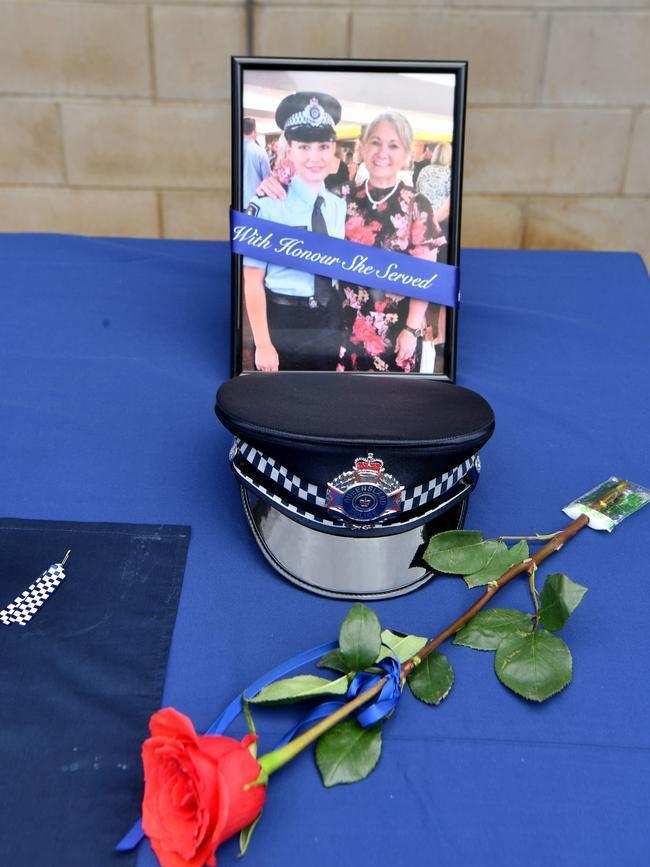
501 559
385 651
360 637
535 666
487 629
558 600
459 552
252 747
334 660
432 679
300 688
403 646
245 836
348 753
395 644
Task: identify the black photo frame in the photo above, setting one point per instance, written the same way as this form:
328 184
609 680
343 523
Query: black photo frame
259 83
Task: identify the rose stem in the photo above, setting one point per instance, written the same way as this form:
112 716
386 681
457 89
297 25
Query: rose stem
493 588
273 761
529 565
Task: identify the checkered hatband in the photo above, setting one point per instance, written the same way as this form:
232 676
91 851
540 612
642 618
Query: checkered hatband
253 468
312 115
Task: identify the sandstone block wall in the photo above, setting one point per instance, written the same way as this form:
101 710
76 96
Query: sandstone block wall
114 115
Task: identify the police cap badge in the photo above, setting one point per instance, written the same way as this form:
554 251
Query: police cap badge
344 478
308 116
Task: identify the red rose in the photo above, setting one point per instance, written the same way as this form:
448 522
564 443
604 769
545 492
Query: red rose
194 793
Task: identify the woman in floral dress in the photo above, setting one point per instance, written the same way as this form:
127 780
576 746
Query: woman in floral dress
383 330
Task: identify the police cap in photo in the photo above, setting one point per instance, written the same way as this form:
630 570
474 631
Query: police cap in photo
345 477
308 116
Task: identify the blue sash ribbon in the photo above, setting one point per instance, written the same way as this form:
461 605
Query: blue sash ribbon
380 707
292 247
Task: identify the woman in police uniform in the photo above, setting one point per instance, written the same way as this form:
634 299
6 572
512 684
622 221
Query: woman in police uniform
295 316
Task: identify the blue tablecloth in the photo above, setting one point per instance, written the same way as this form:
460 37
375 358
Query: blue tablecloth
111 352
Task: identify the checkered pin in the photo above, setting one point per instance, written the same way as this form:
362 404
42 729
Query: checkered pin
23 608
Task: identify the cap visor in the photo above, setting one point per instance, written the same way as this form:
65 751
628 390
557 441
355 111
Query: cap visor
345 567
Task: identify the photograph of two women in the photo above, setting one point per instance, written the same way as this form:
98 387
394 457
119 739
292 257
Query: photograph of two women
365 156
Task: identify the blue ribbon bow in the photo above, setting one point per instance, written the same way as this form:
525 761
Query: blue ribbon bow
379 708
387 700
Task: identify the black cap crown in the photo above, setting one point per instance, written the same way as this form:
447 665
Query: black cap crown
308 116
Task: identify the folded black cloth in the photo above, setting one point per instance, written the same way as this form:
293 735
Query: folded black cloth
78 683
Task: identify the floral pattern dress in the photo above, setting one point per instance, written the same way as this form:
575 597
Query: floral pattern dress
372 318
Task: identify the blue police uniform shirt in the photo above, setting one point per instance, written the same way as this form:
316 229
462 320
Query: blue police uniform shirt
296 210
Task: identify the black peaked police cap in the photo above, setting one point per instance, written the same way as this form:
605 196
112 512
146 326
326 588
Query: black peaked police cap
345 477
308 116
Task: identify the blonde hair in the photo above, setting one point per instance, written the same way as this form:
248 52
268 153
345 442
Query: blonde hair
399 122
441 154
282 148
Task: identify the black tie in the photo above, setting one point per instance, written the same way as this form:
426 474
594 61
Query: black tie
322 285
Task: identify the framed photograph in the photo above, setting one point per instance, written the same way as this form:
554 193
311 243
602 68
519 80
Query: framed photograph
367 156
